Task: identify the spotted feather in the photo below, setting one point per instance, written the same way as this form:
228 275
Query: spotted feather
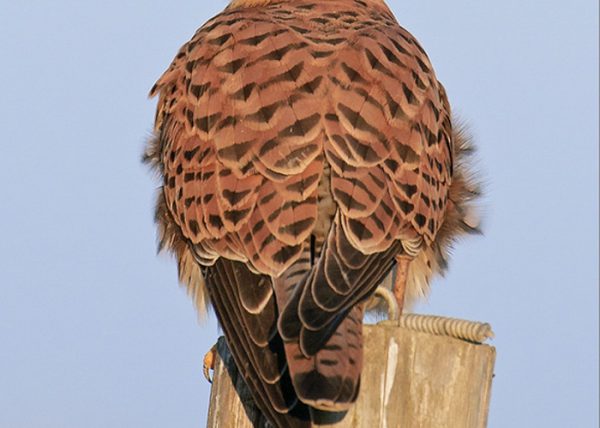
303 146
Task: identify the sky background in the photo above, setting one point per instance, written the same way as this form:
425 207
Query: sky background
95 332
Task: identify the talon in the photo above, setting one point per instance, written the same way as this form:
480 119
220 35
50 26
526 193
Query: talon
390 300
209 362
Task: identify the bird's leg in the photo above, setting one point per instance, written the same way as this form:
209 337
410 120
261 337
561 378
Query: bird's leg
209 362
400 282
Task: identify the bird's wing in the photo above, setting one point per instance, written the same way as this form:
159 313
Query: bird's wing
389 143
241 164
255 345
242 157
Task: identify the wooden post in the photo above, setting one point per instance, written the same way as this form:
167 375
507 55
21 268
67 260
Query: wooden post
411 378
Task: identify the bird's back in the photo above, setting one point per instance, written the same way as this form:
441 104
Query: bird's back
303 146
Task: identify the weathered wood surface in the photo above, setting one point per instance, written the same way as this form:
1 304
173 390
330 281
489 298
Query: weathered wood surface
410 379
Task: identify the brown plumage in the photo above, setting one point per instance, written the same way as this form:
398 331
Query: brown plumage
303 147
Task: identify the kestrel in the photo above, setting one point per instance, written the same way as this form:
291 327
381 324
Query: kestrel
306 150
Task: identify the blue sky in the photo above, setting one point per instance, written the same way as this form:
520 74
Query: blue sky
94 330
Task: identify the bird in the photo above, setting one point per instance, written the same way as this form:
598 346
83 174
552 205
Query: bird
306 153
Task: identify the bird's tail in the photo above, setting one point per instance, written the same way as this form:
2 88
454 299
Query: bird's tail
245 306
322 316
329 378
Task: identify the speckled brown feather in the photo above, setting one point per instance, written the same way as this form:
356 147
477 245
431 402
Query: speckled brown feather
254 104
461 219
285 123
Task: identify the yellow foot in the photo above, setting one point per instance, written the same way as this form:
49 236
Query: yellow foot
209 362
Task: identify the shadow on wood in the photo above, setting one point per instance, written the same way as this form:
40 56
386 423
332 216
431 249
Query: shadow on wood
411 379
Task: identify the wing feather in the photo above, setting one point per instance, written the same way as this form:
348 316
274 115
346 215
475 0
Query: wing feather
252 112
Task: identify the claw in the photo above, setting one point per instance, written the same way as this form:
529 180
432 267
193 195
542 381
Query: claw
209 362
390 300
